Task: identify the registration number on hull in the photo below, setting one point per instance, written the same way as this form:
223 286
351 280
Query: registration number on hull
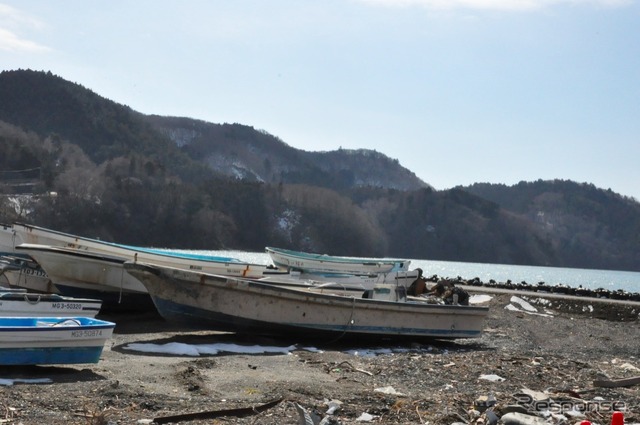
86 333
66 306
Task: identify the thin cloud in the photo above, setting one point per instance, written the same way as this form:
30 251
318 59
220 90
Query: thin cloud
507 5
13 21
12 43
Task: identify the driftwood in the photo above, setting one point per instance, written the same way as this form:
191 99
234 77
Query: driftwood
613 383
238 413
355 368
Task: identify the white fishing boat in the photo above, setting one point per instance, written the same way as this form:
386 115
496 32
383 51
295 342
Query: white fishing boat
18 269
89 268
20 303
85 274
34 235
314 263
24 272
222 303
52 340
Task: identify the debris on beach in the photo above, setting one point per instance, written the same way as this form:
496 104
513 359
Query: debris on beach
492 377
521 305
525 370
536 408
238 413
389 390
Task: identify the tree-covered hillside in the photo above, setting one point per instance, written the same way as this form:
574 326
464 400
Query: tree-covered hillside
588 227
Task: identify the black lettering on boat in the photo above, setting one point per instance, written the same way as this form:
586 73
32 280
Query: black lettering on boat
66 306
86 333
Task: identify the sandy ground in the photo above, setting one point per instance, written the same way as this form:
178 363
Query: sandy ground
564 352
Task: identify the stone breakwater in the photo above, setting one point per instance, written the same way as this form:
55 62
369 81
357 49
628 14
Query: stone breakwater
543 287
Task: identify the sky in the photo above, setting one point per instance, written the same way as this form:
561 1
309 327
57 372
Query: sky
458 91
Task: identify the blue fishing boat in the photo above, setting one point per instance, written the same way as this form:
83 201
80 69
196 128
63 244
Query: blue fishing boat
52 340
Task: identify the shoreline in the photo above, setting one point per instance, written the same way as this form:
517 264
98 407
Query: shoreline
551 295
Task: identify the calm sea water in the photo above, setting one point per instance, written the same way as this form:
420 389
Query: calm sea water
588 278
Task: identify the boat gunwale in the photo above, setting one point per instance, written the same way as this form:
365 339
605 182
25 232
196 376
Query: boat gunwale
63 250
30 324
44 298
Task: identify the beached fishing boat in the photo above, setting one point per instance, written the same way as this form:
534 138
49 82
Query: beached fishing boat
222 303
90 268
85 274
18 269
314 263
24 272
19 303
228 266
52 340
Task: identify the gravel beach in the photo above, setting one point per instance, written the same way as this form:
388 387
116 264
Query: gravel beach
541 360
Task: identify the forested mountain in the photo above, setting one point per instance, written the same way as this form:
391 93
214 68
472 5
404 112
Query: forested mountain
90 166
50 106
587 226
62 111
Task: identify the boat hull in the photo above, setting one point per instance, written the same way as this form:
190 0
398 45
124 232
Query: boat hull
86 274
52 340
319 263
235 305
55 355
16 304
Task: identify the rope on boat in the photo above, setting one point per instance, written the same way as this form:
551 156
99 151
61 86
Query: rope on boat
22 273
122 271
349 323
121 283
26 298
67 322
353 310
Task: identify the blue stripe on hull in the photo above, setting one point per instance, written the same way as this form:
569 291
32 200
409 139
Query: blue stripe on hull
204 319
60 355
